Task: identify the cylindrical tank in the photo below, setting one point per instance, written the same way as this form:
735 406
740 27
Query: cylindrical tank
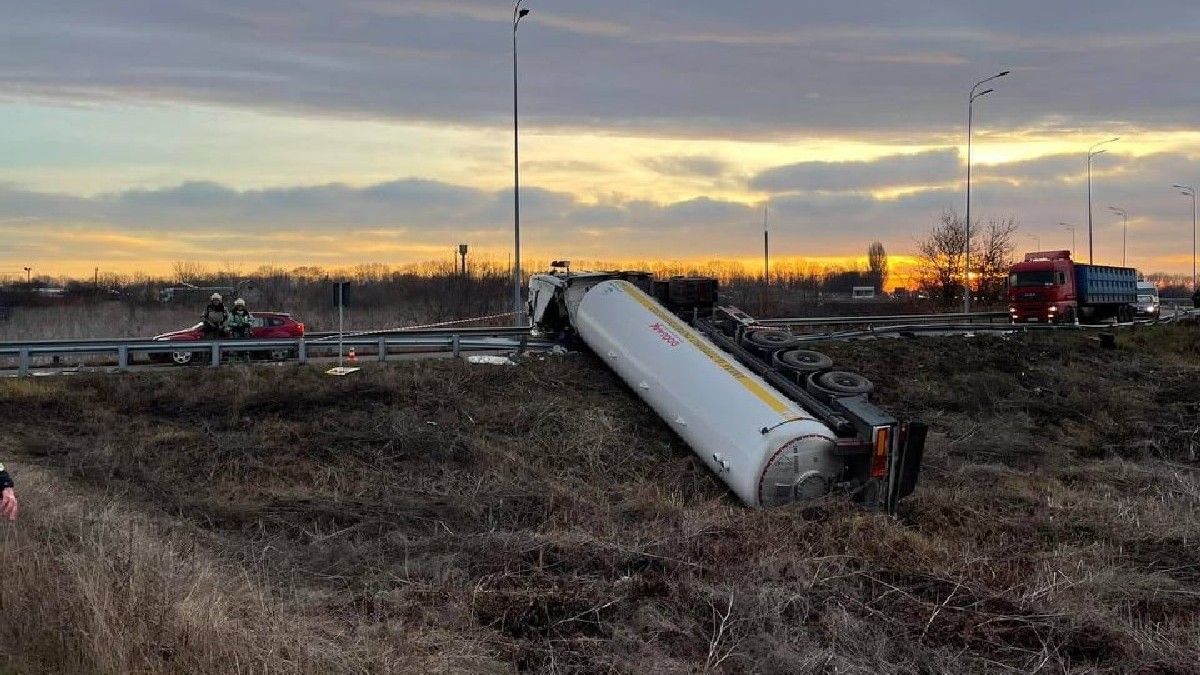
764 446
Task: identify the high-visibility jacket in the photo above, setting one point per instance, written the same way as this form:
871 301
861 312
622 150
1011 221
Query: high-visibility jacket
239 319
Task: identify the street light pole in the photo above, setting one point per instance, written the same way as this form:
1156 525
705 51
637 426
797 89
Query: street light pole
967 244
1068 226
1092 152
518 311
1124 229
28 274
1191 192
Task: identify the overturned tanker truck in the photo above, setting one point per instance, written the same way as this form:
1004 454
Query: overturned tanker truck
776 423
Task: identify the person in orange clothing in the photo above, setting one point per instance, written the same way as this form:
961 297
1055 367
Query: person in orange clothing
8 497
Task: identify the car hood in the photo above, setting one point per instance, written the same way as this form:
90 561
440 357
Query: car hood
177 333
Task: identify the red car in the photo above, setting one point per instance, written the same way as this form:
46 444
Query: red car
263 326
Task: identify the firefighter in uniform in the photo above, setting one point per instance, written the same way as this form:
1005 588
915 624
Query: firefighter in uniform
239 320
215 317
8 498
239 324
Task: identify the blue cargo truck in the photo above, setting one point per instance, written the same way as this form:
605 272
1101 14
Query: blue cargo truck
1049 287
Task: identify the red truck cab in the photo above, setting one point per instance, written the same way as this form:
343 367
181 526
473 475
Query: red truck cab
1049 287
1042 288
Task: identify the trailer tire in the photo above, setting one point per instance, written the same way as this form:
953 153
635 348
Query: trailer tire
801 361
770 340
844 383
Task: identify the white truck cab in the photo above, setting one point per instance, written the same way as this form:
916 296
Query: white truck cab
1147 299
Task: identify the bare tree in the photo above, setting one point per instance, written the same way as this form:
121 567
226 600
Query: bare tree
940 259
877 262
188 270
995 245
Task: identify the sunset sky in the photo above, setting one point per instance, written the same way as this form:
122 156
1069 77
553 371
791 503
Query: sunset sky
136 133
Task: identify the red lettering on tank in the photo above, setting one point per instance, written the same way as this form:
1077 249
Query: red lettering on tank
666 335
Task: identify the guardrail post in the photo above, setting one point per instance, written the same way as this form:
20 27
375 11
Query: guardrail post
454 345
216 354
383 349
524 344
123 357
302 351
23 362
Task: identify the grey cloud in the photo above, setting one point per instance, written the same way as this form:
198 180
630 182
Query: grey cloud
706 167
1047 168
897 170
695 67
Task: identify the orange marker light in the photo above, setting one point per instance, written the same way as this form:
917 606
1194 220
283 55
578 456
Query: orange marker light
883 444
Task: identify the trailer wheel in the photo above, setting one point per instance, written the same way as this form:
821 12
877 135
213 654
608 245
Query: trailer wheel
842 383
769 340
802 361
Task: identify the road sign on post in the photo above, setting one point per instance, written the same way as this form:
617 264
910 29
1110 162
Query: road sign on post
341 368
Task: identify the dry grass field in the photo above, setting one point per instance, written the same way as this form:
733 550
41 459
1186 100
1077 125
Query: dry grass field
442 516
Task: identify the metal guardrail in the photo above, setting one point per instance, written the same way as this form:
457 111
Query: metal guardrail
302 348
952 318
312 336
1005 327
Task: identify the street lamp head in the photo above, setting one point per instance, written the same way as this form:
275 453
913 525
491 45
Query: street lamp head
1104 142
1003 73
522 13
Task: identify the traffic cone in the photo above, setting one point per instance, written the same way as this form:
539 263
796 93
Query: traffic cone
352 358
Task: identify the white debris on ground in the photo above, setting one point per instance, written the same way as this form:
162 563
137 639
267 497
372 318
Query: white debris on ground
492 360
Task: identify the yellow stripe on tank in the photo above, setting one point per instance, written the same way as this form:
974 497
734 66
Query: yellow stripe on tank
718 357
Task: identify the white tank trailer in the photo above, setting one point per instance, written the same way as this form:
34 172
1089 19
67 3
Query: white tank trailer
775 422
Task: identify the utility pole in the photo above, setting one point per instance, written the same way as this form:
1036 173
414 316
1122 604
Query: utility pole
967 245
28 275
762 309
462 254
1092 152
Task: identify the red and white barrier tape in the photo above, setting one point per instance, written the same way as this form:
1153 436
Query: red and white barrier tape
451 323
408 328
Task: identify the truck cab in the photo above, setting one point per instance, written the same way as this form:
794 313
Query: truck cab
1042 289
1147 304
